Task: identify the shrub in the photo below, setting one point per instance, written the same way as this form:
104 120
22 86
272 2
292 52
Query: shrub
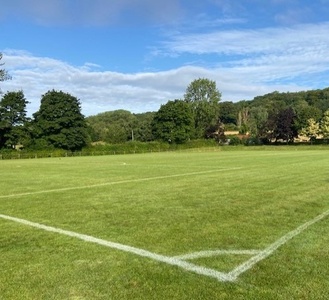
234 140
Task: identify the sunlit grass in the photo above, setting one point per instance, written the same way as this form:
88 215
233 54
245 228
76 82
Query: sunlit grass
170 204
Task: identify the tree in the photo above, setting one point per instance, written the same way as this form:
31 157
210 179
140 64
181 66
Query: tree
113 126
120 126
272 102
3 73
311 130
243 120
228 112
143 127
304 113
173 122
318 98
203 97
59 122
217 132
258 122
12 119
284 127
324 125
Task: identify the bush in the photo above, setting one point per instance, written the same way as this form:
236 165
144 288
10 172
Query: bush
234 140
320 141
252 141
231 127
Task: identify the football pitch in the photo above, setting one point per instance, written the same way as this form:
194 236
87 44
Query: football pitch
205 224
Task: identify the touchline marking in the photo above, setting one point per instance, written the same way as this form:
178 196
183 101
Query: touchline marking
209 253
117 182
141 252
233 275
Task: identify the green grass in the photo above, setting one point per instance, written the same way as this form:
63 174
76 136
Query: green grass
170 204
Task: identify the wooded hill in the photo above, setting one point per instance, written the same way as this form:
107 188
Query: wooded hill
269 117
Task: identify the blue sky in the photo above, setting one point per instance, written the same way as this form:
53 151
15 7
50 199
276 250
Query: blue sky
138 54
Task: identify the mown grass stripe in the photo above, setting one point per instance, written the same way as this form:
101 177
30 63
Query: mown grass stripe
115 183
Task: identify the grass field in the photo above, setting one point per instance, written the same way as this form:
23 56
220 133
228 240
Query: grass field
245 224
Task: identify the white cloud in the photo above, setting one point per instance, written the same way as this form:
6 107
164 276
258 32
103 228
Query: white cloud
139 92
264 55
250 41
98 91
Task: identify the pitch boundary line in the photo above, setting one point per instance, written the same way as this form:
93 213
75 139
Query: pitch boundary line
179 261
209 253
141 252
116 182
233 275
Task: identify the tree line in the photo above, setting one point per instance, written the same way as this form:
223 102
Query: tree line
199 114
280 116
177 121
271 118
57 124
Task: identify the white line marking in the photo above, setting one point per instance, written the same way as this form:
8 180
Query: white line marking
233 275
209 253
178 260
141 252
117 182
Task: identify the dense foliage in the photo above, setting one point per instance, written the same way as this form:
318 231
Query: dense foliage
279 116
270 118
13 119
59 122
203 97
173 122
120 126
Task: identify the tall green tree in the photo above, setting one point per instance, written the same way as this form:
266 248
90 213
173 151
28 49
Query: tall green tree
13 119
59 122
173 122
243 120
203 97
258 121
